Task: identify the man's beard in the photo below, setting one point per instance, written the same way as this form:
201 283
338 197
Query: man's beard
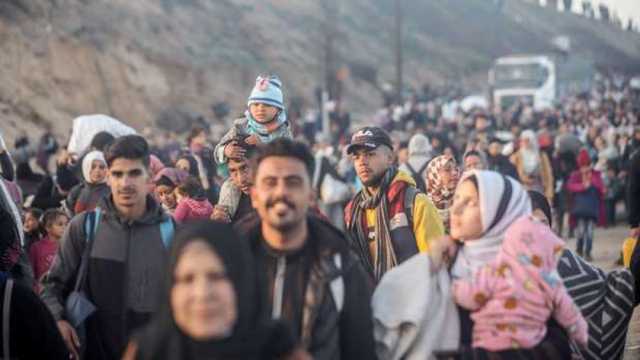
375 181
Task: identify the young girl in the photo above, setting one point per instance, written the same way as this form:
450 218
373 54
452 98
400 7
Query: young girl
588 189
513 296
31 227
192 204
42 252
85 196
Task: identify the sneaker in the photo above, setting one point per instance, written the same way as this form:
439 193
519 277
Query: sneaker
588 258
579 252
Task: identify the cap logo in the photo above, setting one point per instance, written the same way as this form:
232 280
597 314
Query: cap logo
361 133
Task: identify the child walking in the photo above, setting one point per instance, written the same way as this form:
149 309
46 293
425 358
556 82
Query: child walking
192 202
513 297
42 252
588 190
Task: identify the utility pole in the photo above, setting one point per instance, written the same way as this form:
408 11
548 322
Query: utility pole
398 48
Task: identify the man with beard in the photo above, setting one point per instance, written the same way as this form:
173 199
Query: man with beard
235 200
389 220
124 246
312 280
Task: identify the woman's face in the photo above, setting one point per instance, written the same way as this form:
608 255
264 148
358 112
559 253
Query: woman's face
203 300
166 196
98 171
183 164
465 214
448 174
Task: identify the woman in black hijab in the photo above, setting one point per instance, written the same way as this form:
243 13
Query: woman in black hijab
213 307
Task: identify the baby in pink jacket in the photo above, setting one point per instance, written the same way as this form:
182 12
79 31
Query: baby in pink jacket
512 297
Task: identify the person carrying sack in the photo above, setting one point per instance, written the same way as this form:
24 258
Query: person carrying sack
107 274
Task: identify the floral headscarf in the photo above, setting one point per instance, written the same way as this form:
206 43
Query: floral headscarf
438 192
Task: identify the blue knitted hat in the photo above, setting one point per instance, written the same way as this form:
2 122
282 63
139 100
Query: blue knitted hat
268 90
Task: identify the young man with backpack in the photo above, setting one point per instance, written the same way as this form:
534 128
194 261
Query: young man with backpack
389 220
119 253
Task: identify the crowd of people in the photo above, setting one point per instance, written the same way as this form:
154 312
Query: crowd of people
433 232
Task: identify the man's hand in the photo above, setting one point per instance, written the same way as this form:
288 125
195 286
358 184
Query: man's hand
441 252
221 214
233 151
70 338
252 140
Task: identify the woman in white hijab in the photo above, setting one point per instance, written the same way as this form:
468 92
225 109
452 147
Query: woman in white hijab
533 165
485 204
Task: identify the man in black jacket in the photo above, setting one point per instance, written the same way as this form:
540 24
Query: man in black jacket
312 280
127 258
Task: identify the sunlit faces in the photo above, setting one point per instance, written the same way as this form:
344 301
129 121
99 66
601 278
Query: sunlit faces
184 165
371 164
282 192
56 228
473 162
30 223
241 172
465 213
129 180
98 171
203 300
263 112
166 196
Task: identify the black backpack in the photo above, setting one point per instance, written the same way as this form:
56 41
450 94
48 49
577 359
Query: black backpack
416 175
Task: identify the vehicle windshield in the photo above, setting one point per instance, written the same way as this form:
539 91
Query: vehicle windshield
520 76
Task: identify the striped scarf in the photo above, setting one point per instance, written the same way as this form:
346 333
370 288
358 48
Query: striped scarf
384 257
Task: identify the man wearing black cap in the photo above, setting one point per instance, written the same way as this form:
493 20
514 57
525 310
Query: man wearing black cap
389 220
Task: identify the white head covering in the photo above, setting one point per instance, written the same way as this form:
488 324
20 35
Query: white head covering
420 151
531 155
496 200
88 161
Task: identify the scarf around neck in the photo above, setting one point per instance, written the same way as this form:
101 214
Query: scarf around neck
260 130
384 258
502 200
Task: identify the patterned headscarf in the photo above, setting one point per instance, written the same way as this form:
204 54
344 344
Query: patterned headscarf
439 193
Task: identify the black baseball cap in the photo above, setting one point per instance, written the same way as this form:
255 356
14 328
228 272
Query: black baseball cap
369 137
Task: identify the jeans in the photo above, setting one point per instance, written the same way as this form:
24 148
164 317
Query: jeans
585 235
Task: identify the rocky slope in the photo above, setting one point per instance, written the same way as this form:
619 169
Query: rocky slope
147 59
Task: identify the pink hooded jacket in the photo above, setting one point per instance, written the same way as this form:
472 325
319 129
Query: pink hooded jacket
513 296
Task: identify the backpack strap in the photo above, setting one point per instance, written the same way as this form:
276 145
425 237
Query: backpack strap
337 285
91 222
410 194
166 231
6 315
